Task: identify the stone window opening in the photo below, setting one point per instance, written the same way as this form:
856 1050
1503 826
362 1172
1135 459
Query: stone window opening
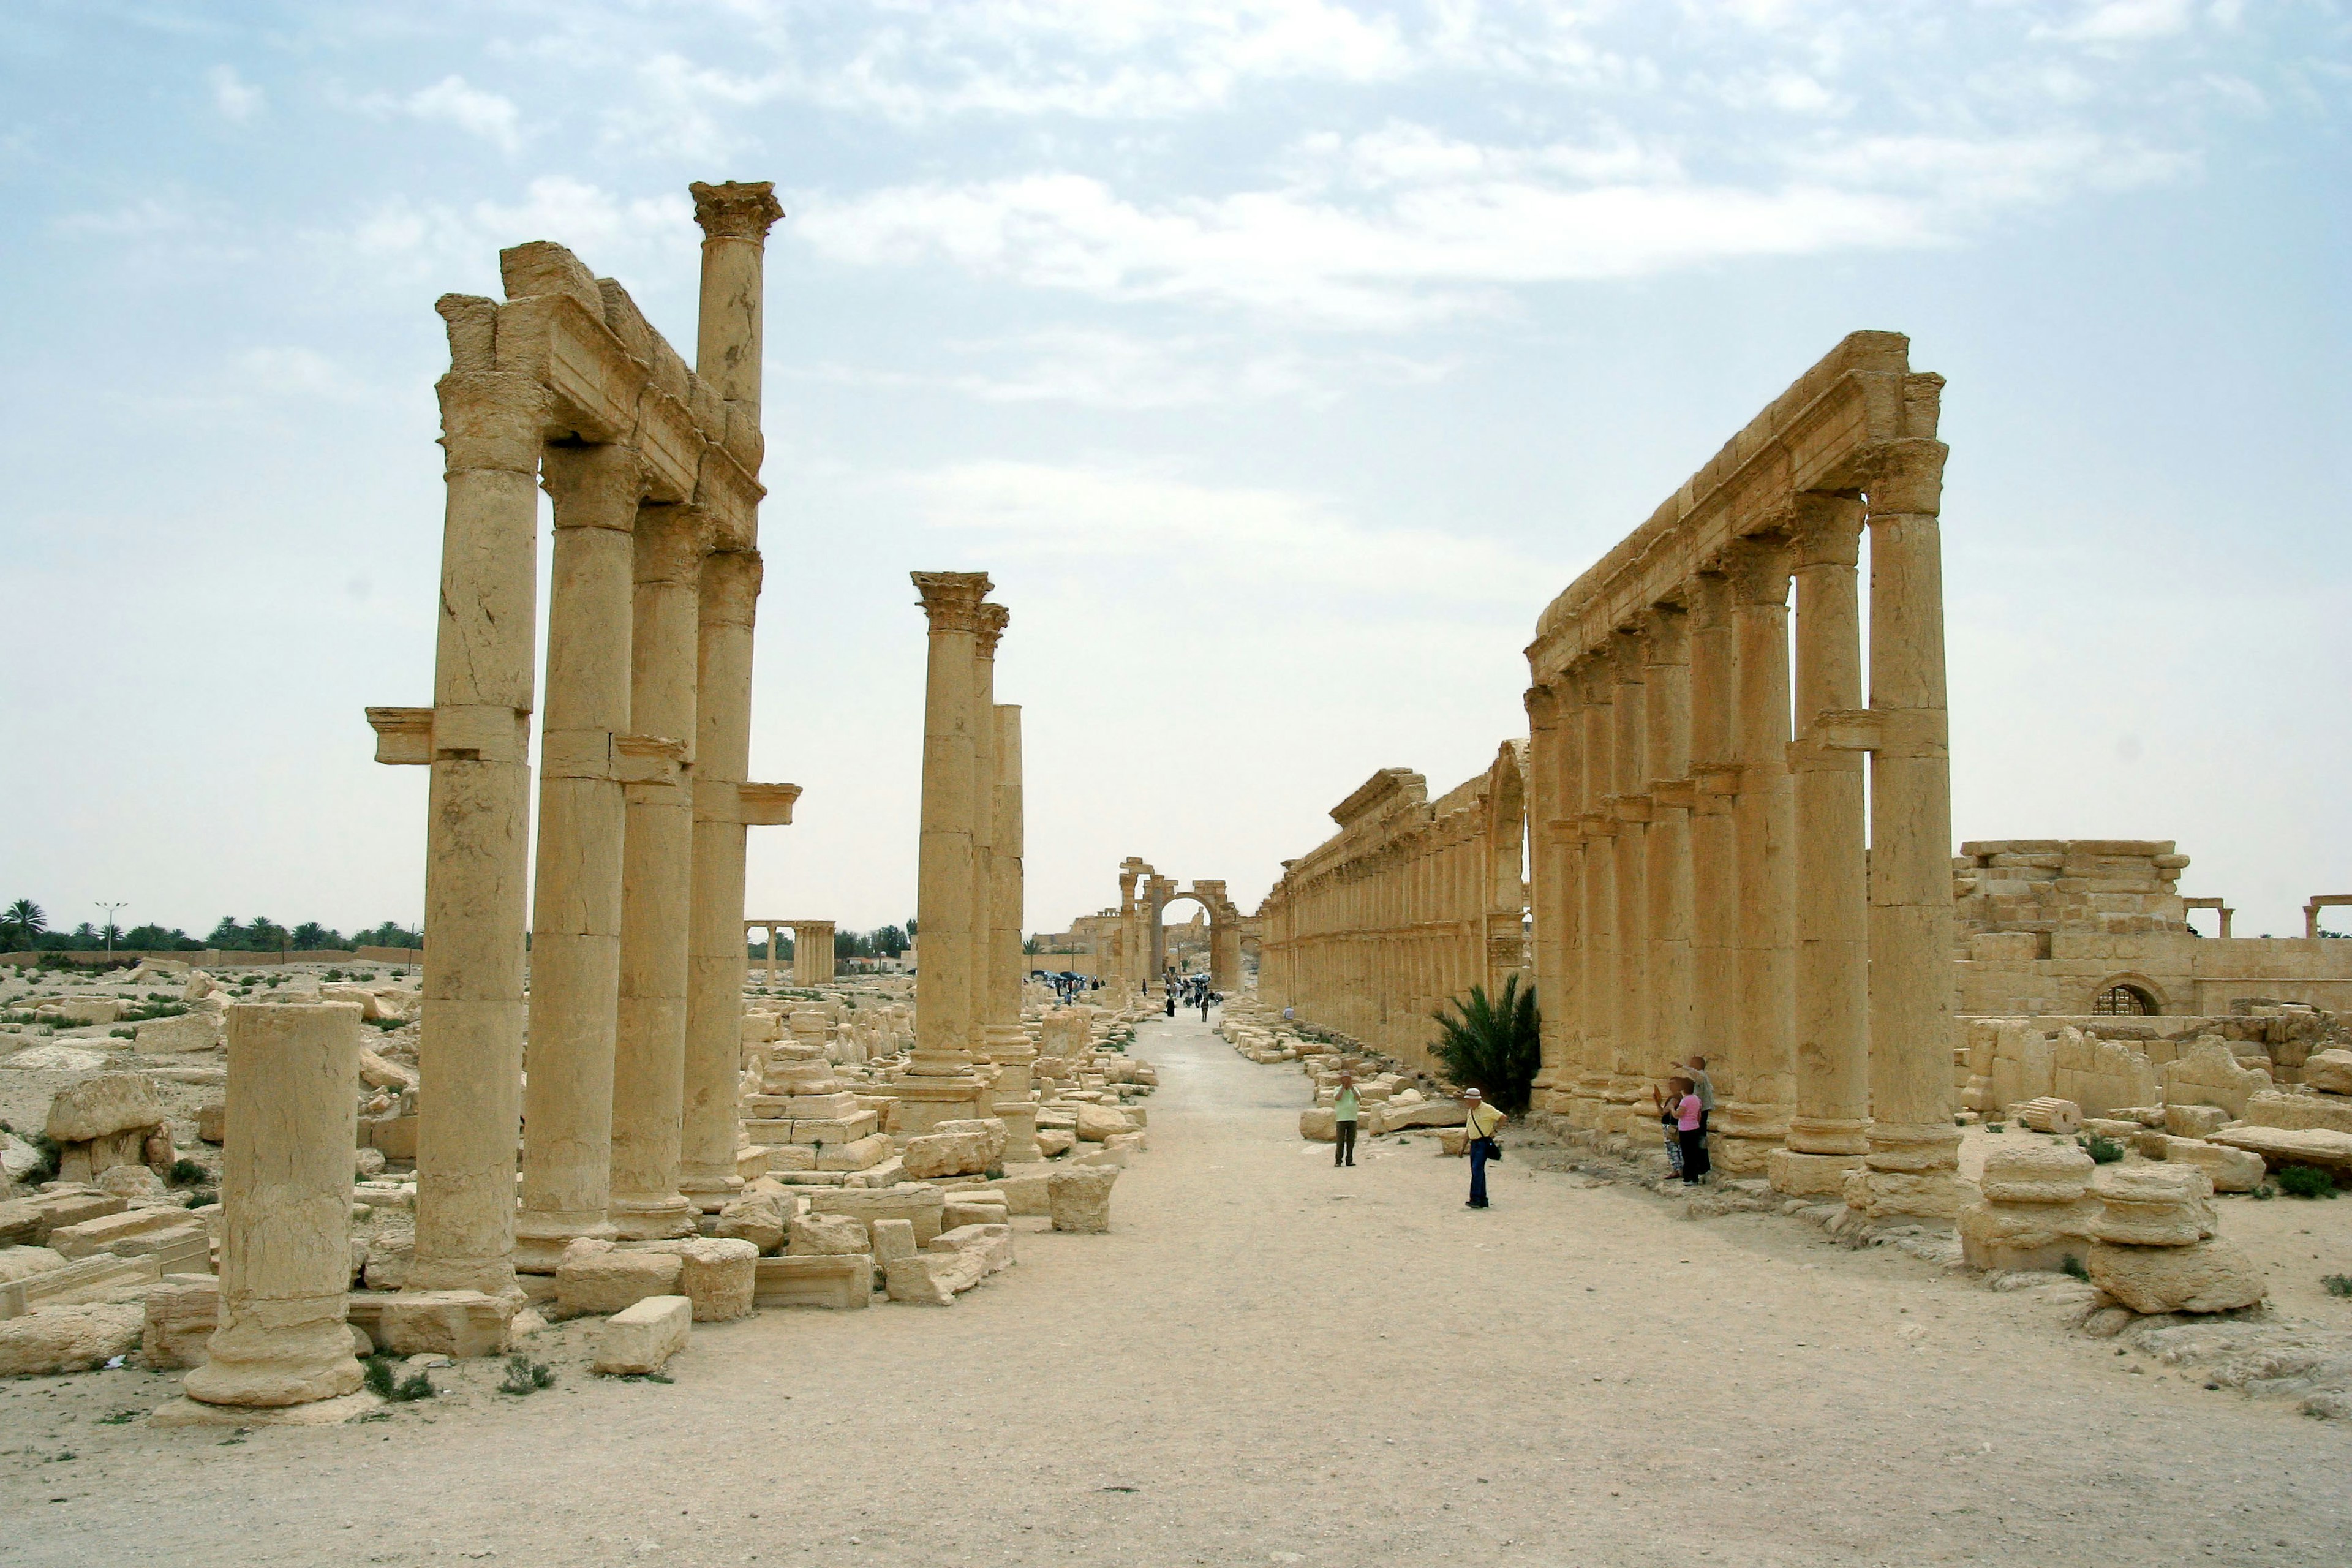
2124 1001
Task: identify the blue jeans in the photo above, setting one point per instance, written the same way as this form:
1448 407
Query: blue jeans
1477 1173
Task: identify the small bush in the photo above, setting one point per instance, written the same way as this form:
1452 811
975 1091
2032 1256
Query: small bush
387 1023
123 1034
2336 1284
187 1173
377 1379
525 1376
47 1148
120 1418
332 974
2306 1182
2071 1267
2104 1150
1995 1127
199 1196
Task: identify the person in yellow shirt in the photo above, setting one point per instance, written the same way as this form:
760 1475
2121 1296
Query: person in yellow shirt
1479 1121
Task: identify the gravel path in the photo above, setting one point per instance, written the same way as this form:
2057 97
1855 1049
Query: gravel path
1268 1361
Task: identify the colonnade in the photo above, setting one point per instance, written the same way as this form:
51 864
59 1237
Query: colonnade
813 959
972 1056
1707 878
1407 907
637 958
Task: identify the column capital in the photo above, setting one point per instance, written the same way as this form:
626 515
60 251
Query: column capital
1825 529
1669 633
493 419
672 539
1542 704
739 209
1758 568
1628 652
1908 477
595 486
1709 595
730 587
951 599
994 619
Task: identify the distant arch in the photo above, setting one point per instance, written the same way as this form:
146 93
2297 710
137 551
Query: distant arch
2127 996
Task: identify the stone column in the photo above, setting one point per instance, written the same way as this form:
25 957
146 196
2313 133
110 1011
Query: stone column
469 1052
656 904
1008 1044
1545 866
286 1208
1715 879
729 330
944 883
575 945
1629 1083
1913 1147
1602 980
1668 838
986 1025
1826 1134
727 600
1756 1118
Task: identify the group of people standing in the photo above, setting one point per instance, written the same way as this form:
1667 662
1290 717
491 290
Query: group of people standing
1192 991
1684 1102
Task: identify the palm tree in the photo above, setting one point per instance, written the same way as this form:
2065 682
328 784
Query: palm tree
22 921
1493 1046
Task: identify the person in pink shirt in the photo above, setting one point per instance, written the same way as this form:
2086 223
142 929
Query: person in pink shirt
1689 1115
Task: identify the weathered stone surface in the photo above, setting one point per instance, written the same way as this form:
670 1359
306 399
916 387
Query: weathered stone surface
2329 1072
2207 1277
588 1281
105 1233
756 1218
380 1072
893 1239
843 1282
973 1208
2048 1113
829 1235
1417 1112
2287 1146
991 1129
994 1243
946 1155
718 1275
930 1278
24 1262
180 1317
1079 1197
458 1324
2299 1112
2194 1120
103 1104
187 1032
2036 1173
70 1339
643 1336
1096 1123
1317 1125
2230 1169
1896 1194
2207 1072
2153 1206
916 1201
2038 1235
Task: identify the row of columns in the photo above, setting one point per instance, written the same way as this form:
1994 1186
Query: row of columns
813 958
1710 878
637 957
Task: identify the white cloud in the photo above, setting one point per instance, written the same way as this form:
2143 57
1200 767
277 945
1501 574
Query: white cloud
2123 21
236 100
398 240
450 101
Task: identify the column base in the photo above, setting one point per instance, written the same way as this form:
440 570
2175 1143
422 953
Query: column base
925 1102
653 1219
1918 1147
318 1413
1909 1194
1829 1135
255 1364
1801 1173
490 1276
709 1192
1737 1156
540 1238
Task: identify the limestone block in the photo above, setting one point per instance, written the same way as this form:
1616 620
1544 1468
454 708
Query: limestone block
2326 1113
1025 1190
2230 1169
2204 1277
187 1032
1055 1140
758 1218
387 1260
459 1324
2329 1072
991 1129
718 1275
136 1184
107 1233
1417 1112
103 1104
380 1072
838 1283
829 1236
2036 1173
2153 1206
1096 1123
857 1154
1893 1194
893 1239
1079 1197
1317 1125
2050 1114
973 1209
643 1336
934 1278
2194 1120
917 1201
946 1155
1128 1143
2292 1146
70 1339
84 1010
2026 1236
994 1242
24 1262
611 1281
180 1317
2208 1073
93 1278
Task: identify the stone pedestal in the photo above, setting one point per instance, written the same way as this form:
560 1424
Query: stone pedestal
286 1193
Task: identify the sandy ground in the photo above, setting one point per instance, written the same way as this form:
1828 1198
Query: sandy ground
1268 1361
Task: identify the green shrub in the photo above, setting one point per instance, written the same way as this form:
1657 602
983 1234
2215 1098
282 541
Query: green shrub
187 1173
2104 1150
377 1379
123 1034
2072 1268
1995 1127
525 1376
2336 1284
2265 1192
2306 1182
47 1148
1493 1046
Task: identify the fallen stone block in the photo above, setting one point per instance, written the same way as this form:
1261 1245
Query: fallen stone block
1079 1197
61 1339
2194 1120
717 1276
991 1129
828 1236
2028 1235
185 1032
945 1154
2286 1146
1025 1190
930 1278
2300 1112
2205 1277
2230 1169
2329 1071
839 1281
857 1154
1058 1140
994 1242
643 1336
917 1201
459 1324
973 1208
182 1314
756 1218
24 1262
103 1104
108 1233
84 1279
591 1283
893 1239
1096 1123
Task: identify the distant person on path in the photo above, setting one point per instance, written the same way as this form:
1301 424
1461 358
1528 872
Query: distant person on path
1689 1118
1204 1004
1704 1087
1480 1122
1344 1111
1171 995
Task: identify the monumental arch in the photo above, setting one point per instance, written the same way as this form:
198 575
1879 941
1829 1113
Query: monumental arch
1137 952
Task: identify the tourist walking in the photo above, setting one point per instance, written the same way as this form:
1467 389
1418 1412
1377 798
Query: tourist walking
1204 1004
1479 1124
1690 1133
1344 1111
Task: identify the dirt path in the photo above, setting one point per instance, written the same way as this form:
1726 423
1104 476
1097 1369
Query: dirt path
1269 1360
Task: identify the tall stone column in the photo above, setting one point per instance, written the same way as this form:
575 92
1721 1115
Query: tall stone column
286 1214
575 946
469 1052
1602 980
986 1027
1009 1046
657 902
727 600
944 1027
1827 1133
1715 874
1668 838
1756 1119
1913 1147
1546 893
729 326
1629 804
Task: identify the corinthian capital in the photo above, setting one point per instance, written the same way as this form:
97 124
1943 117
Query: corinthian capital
1907 476
739 209
1826 529
993 621
1757 567
951 599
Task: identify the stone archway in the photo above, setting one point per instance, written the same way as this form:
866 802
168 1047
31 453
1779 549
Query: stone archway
1144 897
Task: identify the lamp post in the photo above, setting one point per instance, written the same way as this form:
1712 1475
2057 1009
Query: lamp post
109 909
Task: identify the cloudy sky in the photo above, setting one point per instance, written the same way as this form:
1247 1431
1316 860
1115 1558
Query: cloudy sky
1280 359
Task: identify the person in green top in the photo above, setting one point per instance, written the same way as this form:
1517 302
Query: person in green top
1343 1121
